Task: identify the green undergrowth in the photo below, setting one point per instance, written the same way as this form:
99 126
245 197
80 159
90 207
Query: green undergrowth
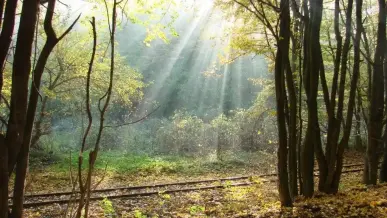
124 162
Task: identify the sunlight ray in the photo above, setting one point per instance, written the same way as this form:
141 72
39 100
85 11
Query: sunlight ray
175 56
238 75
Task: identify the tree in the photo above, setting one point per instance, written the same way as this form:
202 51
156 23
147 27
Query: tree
282 67
65 69
264 15
333 156
15 144
22 162
375 123
18 104
316 54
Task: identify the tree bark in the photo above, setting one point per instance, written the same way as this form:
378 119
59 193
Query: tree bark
282 66
383 169
311 77
333 123
321 159
20 78
352 95
377 98
335 148
22 162
292 127
358 140
19 89
292 90
3 178
299 140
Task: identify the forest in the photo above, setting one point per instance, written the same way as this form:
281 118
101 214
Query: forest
193 108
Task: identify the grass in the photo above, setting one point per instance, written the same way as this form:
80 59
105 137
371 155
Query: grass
51 171
124 162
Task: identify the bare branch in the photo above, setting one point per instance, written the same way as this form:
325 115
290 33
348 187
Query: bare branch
134 122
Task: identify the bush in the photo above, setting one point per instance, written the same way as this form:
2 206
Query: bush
42 157
189 135
184 135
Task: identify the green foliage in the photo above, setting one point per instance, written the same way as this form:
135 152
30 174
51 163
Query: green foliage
139 214
121 162
165 196
66 74
64 86
185 134
252 36
251 129
156 16
196 209
107 207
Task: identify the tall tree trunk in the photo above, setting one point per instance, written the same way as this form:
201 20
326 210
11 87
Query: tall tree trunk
300 120
333 123
19 89
292 127
383 169
282 66
20 78
358 139
3 150
375 124
352 95
369 90
335 148
307 148
319 151
5 42
369 64
3 178
22 161
311 77
293 90
299 140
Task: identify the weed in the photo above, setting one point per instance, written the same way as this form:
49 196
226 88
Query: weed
196 209
107 207
139 214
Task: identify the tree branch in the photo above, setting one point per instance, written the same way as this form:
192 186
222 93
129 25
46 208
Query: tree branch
133 122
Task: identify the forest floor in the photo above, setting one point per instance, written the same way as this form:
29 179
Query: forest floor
257 200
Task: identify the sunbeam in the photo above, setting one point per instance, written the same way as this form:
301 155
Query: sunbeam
175 56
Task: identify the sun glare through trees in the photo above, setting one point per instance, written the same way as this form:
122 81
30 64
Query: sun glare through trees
193 108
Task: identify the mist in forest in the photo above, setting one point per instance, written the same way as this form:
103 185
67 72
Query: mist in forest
200 98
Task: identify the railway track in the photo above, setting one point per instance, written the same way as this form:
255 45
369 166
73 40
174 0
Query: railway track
35 200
